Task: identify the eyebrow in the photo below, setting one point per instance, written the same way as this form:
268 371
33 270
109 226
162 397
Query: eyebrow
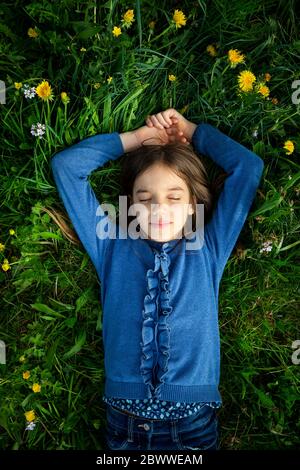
176 188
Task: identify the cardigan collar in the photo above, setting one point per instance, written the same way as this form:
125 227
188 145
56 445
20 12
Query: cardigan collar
163 246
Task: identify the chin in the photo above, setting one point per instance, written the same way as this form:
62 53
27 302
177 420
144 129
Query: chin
162 235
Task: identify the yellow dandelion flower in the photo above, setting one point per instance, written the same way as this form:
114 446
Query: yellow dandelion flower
11 231
18 85
116 31
2 247
274 100
97 85
109 79
246 80
152 24
22 358
6 266
172 78
64 97
128 18
235 57
263 90
33 32
30 415
211 50
179 18
44 91
267 77
26 375
36 388
289 147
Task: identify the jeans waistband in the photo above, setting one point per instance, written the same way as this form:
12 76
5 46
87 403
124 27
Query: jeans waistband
121 420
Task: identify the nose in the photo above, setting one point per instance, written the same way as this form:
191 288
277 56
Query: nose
160 212
159 208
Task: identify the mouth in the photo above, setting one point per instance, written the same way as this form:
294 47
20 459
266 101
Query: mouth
161 224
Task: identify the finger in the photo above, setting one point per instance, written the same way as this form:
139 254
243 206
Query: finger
174 135
149 122
162 120
156 122
167 118
169 114
152 121
173 129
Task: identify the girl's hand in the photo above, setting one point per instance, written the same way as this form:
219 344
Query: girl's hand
177 127
151 135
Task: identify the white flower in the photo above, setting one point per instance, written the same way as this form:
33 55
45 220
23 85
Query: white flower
255 132
30 426
38 129
29 92
266 247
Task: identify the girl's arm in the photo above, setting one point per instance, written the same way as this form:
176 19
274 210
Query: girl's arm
244 170
71 168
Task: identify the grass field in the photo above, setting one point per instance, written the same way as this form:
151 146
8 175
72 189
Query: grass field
113 71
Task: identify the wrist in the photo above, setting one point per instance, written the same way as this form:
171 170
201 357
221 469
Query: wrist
189 131
130 140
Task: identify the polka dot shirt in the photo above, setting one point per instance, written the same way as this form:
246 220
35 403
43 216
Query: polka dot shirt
157 409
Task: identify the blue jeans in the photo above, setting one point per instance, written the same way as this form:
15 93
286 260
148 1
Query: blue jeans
199 431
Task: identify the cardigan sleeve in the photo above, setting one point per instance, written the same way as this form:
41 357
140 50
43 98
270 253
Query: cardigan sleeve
244 169
71 168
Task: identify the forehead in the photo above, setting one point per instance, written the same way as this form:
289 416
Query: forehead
159 177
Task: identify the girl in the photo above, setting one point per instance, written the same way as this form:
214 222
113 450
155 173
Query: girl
159 291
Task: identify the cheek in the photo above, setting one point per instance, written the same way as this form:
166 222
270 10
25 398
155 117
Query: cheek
144 214
180 212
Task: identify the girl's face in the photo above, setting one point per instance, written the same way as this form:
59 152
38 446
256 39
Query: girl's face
166 202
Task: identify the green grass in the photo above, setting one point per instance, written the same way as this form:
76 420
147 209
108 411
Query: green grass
50 301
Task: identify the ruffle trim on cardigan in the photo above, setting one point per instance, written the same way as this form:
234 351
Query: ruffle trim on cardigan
156 332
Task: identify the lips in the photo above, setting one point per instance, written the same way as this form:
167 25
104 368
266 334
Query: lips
161 224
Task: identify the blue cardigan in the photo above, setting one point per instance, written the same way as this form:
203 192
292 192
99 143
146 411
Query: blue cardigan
159 299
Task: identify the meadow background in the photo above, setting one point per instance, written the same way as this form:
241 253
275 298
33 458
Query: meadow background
107 72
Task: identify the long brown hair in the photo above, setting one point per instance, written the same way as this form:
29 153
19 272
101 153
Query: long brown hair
180 158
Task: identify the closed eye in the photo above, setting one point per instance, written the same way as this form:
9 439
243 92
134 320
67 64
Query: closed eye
172 198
